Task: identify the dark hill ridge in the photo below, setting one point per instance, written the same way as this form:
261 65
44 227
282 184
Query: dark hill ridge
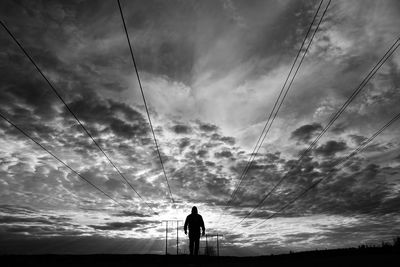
338 258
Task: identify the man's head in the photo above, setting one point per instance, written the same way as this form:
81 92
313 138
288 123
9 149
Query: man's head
194 210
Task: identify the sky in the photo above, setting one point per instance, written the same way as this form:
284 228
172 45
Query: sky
211 72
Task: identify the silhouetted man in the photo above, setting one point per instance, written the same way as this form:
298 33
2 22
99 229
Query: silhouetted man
195 222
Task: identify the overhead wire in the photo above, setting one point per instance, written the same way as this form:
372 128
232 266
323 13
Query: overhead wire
359 149
297 69
73 114
256 147
144 101
59 160
273 114
363 83
372 72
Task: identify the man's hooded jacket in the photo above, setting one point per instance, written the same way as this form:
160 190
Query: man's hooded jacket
195 222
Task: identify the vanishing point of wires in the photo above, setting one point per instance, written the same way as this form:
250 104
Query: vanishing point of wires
144 101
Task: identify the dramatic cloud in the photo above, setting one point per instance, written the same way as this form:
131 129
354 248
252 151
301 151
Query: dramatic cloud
357 139
210 72
181 129
330 148
306 132
223 154
208 127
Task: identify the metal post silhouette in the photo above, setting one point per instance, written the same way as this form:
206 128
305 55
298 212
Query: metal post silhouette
177 238
177 235
166 238
217 246
207 248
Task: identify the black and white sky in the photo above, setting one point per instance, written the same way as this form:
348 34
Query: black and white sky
211 71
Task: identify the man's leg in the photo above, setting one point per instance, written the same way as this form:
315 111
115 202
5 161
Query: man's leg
196 246
191 243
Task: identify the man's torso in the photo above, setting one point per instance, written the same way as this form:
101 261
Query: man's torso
194 223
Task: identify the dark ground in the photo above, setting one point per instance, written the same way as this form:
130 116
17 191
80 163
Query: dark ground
338 258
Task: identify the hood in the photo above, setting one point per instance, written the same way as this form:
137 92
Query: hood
194 210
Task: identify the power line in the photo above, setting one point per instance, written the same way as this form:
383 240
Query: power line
292 79
372 72
369 76
336 115
61 161
257 147
73 114
296 70
144 101
360 148
273 115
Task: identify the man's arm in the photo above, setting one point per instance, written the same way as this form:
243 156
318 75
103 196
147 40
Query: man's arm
202 225
185 226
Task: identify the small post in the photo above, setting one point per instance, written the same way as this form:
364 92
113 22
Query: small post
166 238
207 246
177 238
177 234
207 250
217 246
